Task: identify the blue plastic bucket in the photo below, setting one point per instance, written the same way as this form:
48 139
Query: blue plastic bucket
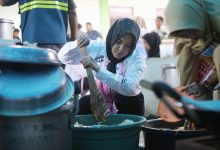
119 132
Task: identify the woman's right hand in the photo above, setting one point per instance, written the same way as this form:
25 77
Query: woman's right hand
83 41
196 89
90 62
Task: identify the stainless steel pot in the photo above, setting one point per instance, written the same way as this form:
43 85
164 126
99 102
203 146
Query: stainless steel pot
41 132
34 110
170 74
6 29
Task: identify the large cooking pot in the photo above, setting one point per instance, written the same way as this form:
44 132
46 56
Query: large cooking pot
6 29
160 135
35 112
49 131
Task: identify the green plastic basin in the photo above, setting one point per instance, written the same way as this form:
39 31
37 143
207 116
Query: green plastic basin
112 135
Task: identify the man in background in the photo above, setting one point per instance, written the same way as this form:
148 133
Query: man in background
16 34
45 23
159 30
91 33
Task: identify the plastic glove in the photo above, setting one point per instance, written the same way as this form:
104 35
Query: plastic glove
197 89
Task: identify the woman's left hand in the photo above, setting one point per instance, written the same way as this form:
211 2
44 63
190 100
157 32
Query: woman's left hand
90 62
83 41
197 89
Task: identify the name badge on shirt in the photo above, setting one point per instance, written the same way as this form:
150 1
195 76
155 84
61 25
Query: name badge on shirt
123 81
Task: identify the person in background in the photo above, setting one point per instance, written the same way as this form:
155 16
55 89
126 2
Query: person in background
91 33
159 30
79 31
76 72
152 44
16 34
198 44
141 22
143 30
118 67
45 22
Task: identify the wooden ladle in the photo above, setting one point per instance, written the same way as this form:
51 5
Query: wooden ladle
98 104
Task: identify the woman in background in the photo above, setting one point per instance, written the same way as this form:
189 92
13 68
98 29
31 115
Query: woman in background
152 44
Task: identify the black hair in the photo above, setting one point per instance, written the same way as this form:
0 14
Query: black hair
16 30
79 26
153 39
160 18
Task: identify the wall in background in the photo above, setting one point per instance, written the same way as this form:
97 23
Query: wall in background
147 9
11 13
88 11
94 10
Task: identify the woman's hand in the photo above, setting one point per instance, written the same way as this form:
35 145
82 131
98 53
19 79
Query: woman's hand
197 89
83 41
90 62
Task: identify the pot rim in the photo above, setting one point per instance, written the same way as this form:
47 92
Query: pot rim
113 127
64 92
25 54
145 127
4 20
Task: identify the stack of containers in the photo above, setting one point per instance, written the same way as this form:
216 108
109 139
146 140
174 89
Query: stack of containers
35 112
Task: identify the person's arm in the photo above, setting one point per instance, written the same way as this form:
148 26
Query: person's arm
8 2
72 20
128 84
70 53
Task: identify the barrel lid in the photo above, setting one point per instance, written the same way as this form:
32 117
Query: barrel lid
32 89
23 54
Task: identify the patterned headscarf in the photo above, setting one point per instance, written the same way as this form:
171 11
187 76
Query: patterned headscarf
116 31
